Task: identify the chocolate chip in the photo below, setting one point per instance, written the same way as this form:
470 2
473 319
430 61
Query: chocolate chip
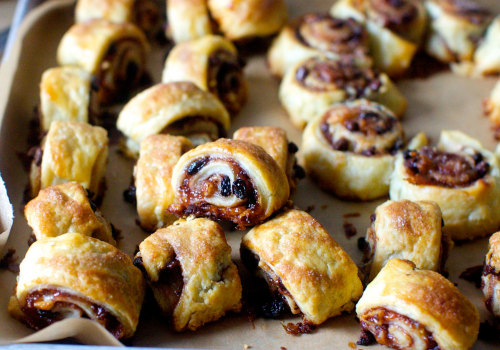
129 195
301 73
240 188
477 157
197 165
292 147
351 125
225 186
341 144
373 217
366 338
298 171
362 244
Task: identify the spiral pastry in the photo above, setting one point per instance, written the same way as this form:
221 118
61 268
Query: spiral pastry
71 151
143 13
189 268
492 106
407 230
275 142
212 63
66 94
229 180
189 20
455 29
305 270
66 208
312 86
408 308
350 149
178 108
490 281
74 275
459 175
113 52
315 34
153 175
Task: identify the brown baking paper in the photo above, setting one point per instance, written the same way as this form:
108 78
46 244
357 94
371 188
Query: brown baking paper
442 101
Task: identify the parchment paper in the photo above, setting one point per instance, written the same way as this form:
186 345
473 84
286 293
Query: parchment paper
443 101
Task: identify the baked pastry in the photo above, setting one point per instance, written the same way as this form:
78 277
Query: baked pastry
143 13
66 208
275 142
189 20
489 281
395 29
304 268
71 151
350 149
115 53
66 94
455 26
408 308
178 108
312 86
318 34
74 275
492 106
229 180
459 175
212 63
153 175
407 230
188 266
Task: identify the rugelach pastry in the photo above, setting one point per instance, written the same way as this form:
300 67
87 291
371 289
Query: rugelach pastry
275 142
306 271
152 178
212 63
115 53
71 151
408 308
318 34
74 275
66 208
229 180
490 284
179 108
188 266
350 149
407 230
459 175
491 106
314 85
67 94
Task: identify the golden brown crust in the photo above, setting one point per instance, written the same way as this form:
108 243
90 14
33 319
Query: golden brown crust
490 285
188 20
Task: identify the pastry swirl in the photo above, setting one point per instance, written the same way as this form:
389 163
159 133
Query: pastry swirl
408 308
229 180
350 149
188 266
113 52
212 63
303 266
177 108
74 275
460 175
315 34
490 281
312 86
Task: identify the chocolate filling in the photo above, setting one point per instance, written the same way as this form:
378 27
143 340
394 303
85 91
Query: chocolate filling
395 15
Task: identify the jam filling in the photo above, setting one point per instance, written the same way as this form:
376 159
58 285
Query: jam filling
395 15
430 166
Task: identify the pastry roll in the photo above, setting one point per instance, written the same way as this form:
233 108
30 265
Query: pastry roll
153 175
318 34
212 63
275 142
490 281
114 52
144 13
66 94
71 151
179 108
350 149
459 175
229 180
305 269
492 106
189 20
408 308
66 208
455 28
188 266
407 230
74 275
312 86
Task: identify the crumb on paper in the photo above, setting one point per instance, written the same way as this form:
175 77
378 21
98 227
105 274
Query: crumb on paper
349 230
324 206
310 208
352 345
282 348
246 346
351 215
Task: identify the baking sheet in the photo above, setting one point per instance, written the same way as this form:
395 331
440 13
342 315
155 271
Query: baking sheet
442 101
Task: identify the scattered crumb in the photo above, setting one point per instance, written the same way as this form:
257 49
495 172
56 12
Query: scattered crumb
282 348
299 328
349 229
366 338
352 345
310 208
351 215
324 206
9 261
246 346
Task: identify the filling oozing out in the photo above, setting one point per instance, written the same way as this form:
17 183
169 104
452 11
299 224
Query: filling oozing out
430 166
197 129
46 306
488 289
395 15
